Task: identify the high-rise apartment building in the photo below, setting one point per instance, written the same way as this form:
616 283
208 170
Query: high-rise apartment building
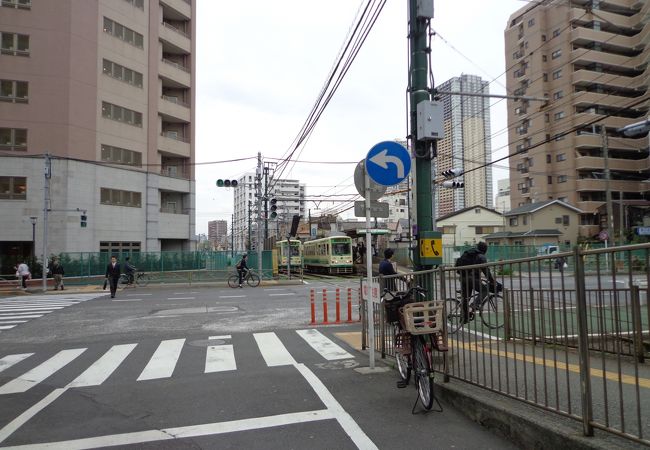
217 233
106 87
502 199
589 59
466 145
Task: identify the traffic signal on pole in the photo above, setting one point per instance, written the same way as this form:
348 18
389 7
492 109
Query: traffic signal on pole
226 183
452 173
274 208
453 184
84 221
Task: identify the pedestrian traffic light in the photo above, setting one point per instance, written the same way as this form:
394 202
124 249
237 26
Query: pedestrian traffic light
226 183
453 184
274 208
84 219
452 173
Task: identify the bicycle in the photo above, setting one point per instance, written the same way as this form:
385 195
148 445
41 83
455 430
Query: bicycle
490 308
141 279
417 328
250 277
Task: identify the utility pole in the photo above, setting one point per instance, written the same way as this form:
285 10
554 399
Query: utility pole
608 191
46 208
248 245
266 203
232 235
258 191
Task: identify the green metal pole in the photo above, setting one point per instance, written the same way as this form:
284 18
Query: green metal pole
248 245
420 92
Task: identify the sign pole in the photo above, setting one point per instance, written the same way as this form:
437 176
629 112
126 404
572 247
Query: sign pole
371 307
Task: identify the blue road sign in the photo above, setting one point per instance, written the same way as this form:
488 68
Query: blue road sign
388 163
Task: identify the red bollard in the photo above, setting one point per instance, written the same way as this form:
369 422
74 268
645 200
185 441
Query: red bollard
312 304
338 305
349 305
325 306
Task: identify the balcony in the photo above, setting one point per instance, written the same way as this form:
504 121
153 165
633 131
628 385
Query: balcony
589 184
623 165
594 141
585 77
174 108
178 7
175 72
175 37
589 206
586 99
586 36
174 144
610 122
583 55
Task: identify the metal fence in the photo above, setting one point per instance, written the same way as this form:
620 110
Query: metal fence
574 338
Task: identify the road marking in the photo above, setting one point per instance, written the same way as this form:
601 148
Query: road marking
101 369
181 298
39 309
10 360
305 282
277 295
127 300
41 372
225 336
7 322
21 316
232 296
323 345
274 289
163 361
273 350
136 295
185 293
6 327
220 358
38 304
166 434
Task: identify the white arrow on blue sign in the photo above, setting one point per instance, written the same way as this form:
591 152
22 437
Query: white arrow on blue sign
388 163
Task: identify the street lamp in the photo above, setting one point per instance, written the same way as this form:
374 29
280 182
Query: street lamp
33 220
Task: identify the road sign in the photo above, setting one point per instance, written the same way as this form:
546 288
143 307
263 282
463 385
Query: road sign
374 231
641 231
377 209
372 293
377 191
603 235
388 163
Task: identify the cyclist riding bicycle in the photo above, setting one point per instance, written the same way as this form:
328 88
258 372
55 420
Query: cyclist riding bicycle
242 269
129 269
470 280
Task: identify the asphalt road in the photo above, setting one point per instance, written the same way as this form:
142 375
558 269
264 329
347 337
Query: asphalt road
202 368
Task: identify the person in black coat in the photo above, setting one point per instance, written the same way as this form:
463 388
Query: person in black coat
113 274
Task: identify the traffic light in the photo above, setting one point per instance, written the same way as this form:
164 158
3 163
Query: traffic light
453 184
274 208
84 221
226 183
452 173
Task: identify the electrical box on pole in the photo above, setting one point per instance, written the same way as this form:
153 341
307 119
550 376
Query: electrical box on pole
430 120
424 9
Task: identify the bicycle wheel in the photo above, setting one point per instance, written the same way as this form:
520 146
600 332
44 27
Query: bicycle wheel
142 279
402 359
492 311
253 280
122 282
423 372
454 311
233 281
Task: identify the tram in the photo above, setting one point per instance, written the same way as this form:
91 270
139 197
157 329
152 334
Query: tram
331 255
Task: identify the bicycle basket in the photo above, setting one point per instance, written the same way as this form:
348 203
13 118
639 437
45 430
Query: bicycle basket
393 306
423 317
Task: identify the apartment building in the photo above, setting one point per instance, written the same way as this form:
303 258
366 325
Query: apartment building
106 87
217 233
502 199
589 60
467 144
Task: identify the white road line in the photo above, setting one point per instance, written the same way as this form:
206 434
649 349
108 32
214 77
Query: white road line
232 296
41 372
181 298
6 327
10 360
26 304
42 309
277 295
101 369
163 361
225 336
7 322
21 316
220 358
29 308
136 295
323 345
305 282
166 434
126 300
273 350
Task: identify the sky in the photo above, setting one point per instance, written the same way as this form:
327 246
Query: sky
261 64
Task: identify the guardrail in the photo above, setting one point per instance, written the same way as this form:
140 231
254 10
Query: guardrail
575 339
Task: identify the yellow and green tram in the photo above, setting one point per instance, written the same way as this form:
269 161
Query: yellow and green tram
291 249
331 255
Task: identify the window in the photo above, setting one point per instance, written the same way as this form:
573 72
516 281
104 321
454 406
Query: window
13 139
557 74
18 4
118 197
123 33
556 54
120 114
547 118
565 220
561 157
483 230
13 188
121 156
13 91
449 229
543 38
115 248
544 58
559 115
549 179
562 179
122 73
513 222
559 137
545 77
558 95
137 3
556 33
525 220
15 44
548 159
558 220
531 22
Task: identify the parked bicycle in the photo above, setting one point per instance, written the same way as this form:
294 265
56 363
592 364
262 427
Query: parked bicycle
250 278
140 279
417 328
490 308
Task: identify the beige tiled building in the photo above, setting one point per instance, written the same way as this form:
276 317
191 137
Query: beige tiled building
590 60
107 88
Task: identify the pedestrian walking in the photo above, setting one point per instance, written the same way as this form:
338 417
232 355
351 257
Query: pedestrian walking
23 274
113 274
57 273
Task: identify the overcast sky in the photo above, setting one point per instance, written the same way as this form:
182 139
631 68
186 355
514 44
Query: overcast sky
261 65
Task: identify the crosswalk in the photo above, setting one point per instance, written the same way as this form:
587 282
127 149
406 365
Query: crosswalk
220 355
15 311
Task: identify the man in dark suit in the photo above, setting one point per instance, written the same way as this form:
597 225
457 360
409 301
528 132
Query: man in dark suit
113 274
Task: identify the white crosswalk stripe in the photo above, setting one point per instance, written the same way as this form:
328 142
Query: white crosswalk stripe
218 357
33 307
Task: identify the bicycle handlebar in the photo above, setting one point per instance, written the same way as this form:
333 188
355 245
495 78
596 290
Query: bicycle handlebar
418 289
